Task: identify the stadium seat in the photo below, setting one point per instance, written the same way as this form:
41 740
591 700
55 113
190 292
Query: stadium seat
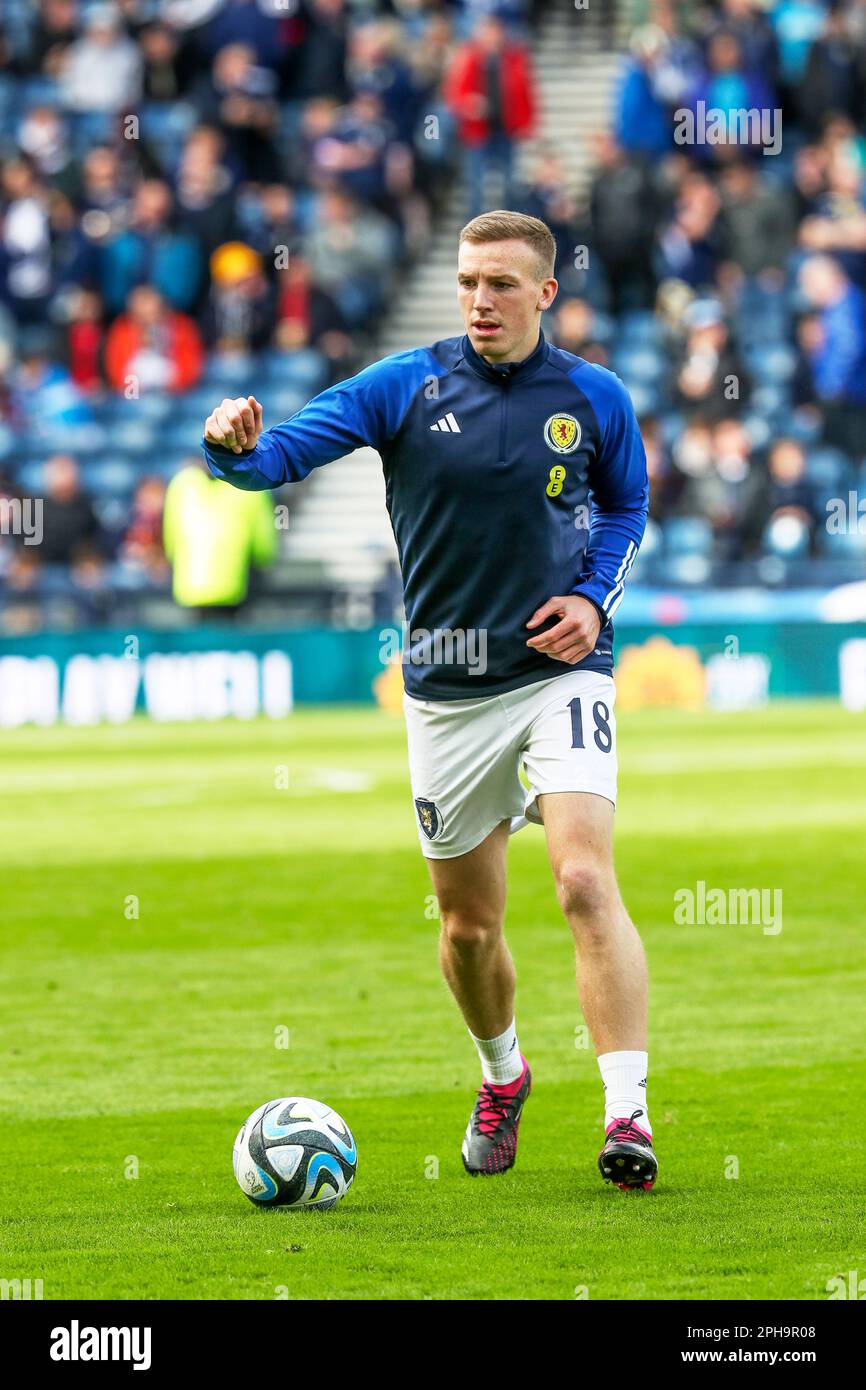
137 437
772 401
167 462
166 125
638 328
804 426
650 551
39 91
759 429
672 425
150 408
30 475
826 467
114 475
645 365
771 363
224 373
692 570
688 535
787 537
113 512
846 544
645 399
282 403
305 370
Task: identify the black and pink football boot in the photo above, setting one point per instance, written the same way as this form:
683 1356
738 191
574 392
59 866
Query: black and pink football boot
490 1142
627 1159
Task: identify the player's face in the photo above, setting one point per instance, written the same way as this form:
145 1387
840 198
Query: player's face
501 297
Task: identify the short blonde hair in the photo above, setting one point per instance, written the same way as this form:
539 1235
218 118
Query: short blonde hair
514 226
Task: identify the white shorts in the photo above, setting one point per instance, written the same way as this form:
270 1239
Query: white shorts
465 756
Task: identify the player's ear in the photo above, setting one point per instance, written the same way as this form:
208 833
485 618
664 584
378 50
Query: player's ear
548 293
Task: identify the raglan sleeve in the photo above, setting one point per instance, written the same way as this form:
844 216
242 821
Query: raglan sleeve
619 488
366 409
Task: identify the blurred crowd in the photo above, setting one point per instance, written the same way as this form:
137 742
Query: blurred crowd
726 284
193 189
194 192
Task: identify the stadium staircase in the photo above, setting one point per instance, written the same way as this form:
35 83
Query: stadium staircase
339 527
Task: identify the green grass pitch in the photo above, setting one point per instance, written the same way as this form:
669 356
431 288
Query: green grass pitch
138 1044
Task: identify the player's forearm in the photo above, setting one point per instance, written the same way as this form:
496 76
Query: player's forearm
253 470
613 546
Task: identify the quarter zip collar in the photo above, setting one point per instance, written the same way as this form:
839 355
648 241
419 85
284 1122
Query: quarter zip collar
506 371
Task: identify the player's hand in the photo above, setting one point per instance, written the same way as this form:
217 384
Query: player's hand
235 424
575 636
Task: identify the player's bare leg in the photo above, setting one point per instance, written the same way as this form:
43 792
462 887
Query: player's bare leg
611 973
610 960
475 960
477 965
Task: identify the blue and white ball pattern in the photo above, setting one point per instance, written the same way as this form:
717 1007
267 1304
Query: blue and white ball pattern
295 1152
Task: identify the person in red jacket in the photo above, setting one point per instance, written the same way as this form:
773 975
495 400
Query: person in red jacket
491 90
152 346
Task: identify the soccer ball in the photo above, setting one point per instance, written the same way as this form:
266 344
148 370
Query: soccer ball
295 1153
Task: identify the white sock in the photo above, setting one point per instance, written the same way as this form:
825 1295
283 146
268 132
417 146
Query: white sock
501 1061
624 1075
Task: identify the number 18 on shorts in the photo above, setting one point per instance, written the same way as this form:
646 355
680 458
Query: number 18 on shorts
465 755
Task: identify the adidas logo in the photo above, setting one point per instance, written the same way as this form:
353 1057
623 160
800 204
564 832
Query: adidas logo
448 425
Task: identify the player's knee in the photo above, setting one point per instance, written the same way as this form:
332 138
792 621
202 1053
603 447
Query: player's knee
467 928
586 891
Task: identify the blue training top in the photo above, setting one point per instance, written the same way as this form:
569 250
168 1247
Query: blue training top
506 485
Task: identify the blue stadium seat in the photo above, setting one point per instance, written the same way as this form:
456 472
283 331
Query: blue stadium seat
688 535
759 429
57 438
645 366
653 540
761 315
826 467
157 405
846 544
787 537
166 125
112 511
167 462
305 371
773 401
113 476
153 407
650 550
200 401
605 328
672 425
282 403
10 112
803 427
30 476
645 399
692 570
639 328
38 91
135 436
227 376
771 363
